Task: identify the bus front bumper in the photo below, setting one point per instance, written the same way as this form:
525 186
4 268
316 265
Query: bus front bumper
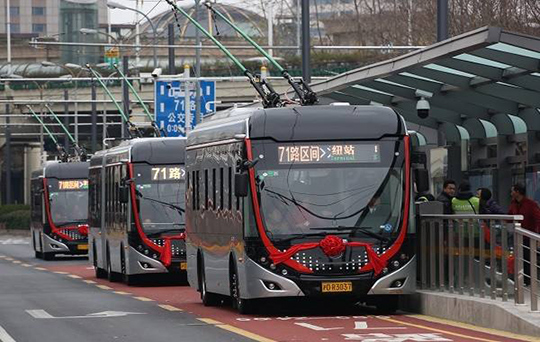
400 281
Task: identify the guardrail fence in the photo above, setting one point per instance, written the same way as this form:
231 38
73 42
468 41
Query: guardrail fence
480 255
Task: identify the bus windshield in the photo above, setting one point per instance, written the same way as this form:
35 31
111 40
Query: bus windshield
160 196
313 188
68 199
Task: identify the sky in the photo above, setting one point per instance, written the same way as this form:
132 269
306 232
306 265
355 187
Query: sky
150 7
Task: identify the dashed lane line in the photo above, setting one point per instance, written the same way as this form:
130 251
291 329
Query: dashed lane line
74 276
122 293
495 332
60 272
9 258
144 299
420 326
17 262
26 265
89 281
169 307
235 330
104 287
4 336
40 268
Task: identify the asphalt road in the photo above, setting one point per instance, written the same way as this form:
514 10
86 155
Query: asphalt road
61 300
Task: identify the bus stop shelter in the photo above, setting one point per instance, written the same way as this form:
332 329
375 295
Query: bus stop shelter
483 91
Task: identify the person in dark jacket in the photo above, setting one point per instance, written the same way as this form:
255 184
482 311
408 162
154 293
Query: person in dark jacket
448 192
488 206
522 205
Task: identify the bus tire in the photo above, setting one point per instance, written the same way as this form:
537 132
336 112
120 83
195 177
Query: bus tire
387 304
243 306
207 298
113 277
48 256
100 272
37 254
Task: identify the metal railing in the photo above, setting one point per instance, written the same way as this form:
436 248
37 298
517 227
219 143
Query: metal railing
480 255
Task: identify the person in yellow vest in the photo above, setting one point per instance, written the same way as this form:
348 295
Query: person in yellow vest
465 202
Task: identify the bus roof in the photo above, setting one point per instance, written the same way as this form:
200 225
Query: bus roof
150 150
62 170
301 124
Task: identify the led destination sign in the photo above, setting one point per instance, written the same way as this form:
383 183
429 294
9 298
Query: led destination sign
168 173
331 153
77 184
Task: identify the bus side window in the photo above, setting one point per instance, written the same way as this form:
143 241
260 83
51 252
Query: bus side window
198 190
230 189
206 189
214 189
221 188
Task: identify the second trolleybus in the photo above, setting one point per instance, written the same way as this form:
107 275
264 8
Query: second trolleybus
136 209
300 201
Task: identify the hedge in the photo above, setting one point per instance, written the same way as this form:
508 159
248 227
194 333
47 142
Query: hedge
15 216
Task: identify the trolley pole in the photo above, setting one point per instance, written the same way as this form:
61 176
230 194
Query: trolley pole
125 92
66 120
197 68
306 48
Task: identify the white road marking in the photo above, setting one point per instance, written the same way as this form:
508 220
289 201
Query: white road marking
144 299
4 336
316 327
169 307
42 314
15 241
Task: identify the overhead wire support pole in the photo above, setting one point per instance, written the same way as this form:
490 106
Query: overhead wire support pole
269 97
108 92
301 88
59 147
80 151
139 99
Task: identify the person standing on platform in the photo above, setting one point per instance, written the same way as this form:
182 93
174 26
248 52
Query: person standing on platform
522 205
446 196
488 206
465 202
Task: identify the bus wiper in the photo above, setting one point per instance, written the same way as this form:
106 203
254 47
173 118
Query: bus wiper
165 231
364 230
300 236
170 205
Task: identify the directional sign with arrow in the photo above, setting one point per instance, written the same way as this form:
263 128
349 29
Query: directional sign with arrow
42 314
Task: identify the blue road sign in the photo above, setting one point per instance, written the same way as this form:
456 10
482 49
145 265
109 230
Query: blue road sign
169 96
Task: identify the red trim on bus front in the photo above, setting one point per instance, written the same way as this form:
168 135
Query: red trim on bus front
165 250
54 229
376 263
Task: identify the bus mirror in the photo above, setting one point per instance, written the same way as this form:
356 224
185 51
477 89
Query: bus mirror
422 180
241 184
124 194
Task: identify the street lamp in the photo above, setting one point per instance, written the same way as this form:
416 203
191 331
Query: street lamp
85 30
113 5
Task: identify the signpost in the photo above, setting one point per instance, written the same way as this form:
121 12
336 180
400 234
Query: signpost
112 55
170 98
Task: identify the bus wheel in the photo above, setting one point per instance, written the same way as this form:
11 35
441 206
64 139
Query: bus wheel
100 272
243 306
207 298
37 254
47 256
387 304
111 276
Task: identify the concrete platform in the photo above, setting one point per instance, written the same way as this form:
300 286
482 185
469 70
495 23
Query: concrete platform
483 312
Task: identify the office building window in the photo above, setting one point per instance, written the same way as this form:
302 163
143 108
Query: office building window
15 28
38 28
38 10
14 11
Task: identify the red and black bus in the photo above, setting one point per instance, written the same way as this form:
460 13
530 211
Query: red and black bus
59 225
301 201
136 209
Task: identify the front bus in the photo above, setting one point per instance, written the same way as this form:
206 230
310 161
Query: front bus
142 221
59 192
326 207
